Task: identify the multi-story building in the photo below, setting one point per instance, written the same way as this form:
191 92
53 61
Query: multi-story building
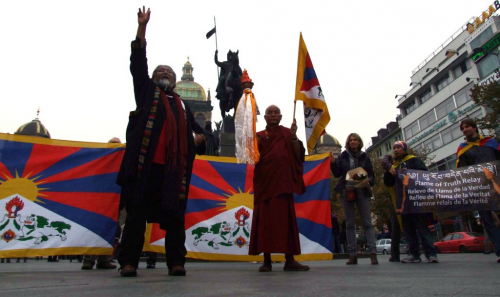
381 144
430 112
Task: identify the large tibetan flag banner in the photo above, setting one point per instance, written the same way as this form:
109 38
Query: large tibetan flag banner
308 90
57 197
220 207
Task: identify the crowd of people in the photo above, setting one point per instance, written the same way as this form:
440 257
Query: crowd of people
163 138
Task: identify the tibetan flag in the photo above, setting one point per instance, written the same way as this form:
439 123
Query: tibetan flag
308 90
220 206
57 197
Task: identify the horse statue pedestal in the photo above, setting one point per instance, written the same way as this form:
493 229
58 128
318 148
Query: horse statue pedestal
227 143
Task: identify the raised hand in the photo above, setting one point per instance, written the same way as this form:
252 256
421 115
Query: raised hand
143 16
293 129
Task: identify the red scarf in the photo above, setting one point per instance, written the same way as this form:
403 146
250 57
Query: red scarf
176 132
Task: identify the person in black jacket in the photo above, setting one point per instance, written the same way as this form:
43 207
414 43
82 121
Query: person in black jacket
350 159
162 137
478 149
412 222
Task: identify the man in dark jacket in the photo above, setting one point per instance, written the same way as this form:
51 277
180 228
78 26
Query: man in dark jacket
478 149
412 222
158 161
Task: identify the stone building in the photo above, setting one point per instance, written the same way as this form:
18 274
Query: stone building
194 95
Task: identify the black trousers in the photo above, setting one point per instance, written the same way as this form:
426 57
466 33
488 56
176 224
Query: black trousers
132 243
395 234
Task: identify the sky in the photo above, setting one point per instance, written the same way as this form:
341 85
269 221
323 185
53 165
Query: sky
71 58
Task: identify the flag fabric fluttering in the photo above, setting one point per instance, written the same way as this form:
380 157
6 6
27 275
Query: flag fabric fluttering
211 32
308 90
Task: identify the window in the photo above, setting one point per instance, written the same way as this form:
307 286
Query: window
477 114
411 130
445 108
379 152
451 133
463 96
398 138
200 119
426 95
488 64
451 162
388 146
441 165
443 82
427 119
461 69
433 143
482 38
457 236
447 237
410 107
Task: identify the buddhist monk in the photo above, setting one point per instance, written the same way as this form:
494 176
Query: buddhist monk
277 176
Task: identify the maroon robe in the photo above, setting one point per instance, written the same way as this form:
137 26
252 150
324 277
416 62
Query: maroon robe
277 176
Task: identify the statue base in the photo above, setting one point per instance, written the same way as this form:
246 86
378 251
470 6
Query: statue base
227 142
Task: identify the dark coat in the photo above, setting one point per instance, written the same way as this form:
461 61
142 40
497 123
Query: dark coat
413 163
477 155
132 181
340 168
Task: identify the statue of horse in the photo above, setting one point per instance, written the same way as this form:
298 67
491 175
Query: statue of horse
229 87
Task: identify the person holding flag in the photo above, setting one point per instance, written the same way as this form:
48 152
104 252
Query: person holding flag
308 90
274 223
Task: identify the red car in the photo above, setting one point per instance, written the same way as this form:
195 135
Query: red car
461 242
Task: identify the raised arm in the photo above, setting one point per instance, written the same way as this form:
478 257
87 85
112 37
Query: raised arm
142 19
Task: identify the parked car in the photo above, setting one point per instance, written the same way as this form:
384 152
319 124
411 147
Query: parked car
384 246
461 242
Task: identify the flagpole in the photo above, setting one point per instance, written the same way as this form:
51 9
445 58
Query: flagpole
294 106
216 46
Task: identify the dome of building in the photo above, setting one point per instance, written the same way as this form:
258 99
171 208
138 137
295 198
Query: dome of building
327 144
33 128
187 88
328 140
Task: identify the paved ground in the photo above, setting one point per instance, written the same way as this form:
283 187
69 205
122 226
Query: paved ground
456 275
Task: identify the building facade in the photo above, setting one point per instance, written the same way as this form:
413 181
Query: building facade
430 112
381 144
194 95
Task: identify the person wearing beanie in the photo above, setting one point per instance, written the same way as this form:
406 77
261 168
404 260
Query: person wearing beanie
415 225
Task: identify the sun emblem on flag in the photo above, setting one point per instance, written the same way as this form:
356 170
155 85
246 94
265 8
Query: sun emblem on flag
24 186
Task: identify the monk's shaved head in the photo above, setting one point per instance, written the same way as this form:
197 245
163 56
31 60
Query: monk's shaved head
273 107
273 116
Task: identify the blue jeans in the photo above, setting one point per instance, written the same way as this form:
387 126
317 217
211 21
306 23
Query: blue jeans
491 229
363 205
412 223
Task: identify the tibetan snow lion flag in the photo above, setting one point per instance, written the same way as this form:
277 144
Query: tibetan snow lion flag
220 206
308 90
57 197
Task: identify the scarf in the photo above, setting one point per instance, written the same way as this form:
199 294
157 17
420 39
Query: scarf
245 118
482 141
397 163
176 133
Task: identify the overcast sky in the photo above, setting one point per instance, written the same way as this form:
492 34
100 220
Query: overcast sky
71 58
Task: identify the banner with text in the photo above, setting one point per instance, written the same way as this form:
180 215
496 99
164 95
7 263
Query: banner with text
475 187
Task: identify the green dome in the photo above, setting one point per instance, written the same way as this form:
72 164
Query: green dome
187 88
